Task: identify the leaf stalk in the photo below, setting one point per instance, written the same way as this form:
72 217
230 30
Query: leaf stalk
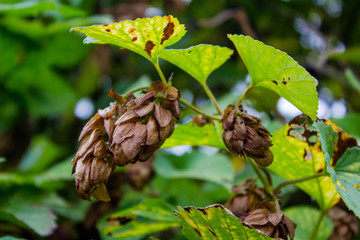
212 98
189 105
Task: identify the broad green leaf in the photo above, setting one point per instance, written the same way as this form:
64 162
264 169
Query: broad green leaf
275 70
191 134
196 165
11 238
152 215
199 61
290 164
146 36
41 153
214 222
346 173
306 218
37 217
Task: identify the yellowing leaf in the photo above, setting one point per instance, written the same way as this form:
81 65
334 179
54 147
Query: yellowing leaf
275 70
145 36
199 61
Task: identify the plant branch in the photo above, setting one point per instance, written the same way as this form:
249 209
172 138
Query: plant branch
244 95
212 98
134 90
264 181
189 105
317 226
161 74
283 184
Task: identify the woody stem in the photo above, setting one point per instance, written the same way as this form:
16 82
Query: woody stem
189 105
283 184
212 98
244 95
264 181
161 74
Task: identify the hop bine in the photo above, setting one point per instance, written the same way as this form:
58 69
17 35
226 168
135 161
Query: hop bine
243 133
127 131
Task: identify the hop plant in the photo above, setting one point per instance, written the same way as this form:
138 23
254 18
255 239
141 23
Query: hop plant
127 131
243 133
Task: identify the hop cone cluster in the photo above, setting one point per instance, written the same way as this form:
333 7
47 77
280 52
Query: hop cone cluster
244 133
251 208
129 130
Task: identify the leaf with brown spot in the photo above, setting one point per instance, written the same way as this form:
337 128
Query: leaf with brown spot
141 35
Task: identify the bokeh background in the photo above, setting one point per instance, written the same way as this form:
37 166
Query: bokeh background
51 84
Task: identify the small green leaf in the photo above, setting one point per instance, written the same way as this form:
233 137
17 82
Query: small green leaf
146 36
152 215
196 165
214 222
306 218
289 154
346 173
275 70
198 61
189 134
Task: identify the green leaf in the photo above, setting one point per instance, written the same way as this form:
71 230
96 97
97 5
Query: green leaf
37 217
350 124
146 36
289 154
152 215
346 173
196 165
306 218
191 134
199 61
214 222
275 70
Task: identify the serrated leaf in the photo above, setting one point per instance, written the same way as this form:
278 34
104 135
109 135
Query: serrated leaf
215 168
275 70
152 215
198 61
346 173
146 36
306 218
214 222
289 154
189 134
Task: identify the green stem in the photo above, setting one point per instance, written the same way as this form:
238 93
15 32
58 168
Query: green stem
244 95
134 90
212 98
162 77
189 105
264 181
317 226
283 184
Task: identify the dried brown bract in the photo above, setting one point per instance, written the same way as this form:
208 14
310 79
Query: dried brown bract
244 133
148 121
201 121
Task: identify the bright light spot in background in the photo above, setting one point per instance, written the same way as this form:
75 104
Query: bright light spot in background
287 109
324 110
179 150
338 109
187 2
208 150
84 108
153 11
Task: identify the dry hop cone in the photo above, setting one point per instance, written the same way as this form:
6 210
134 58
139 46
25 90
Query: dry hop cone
148 121
243 133
93 162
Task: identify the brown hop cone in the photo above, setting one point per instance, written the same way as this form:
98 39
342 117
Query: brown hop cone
148 121
270 220
244 133
93 161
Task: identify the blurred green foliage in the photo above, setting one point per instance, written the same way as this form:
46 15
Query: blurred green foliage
45 70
